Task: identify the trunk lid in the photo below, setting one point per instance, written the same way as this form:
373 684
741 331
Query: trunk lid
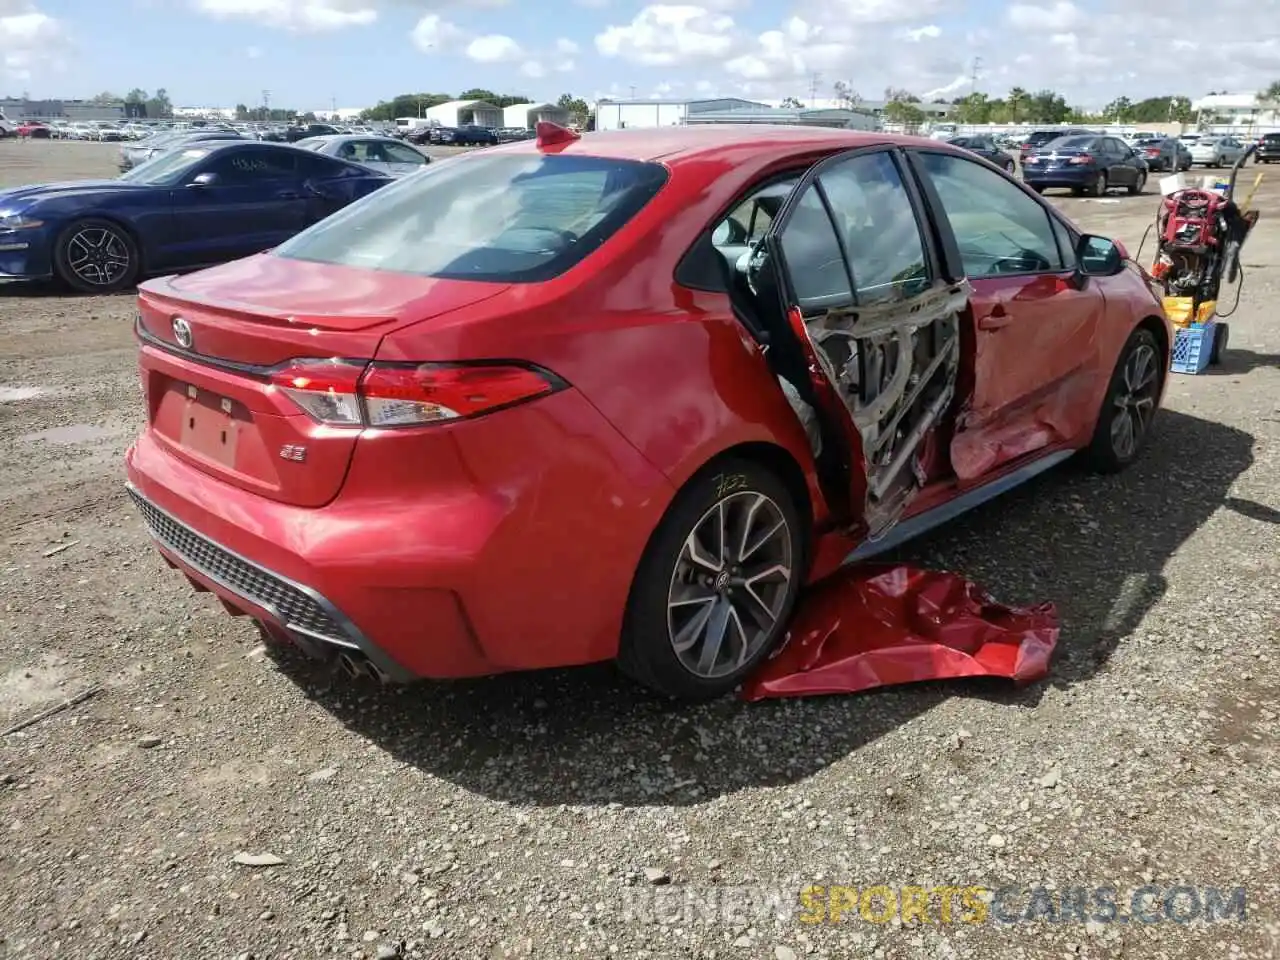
210 401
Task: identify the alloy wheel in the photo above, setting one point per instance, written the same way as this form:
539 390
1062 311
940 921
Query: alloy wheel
99 256
730 584
1135 401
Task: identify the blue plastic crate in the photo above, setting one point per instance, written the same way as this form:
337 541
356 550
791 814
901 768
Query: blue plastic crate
1192 347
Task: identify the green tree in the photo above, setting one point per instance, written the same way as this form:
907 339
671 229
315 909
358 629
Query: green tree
899 95
136 95
106 98
242 112
1017 101
160 105
1119 110
578 109
1272 93
1045 106
791 103
406 105
849 98
900 111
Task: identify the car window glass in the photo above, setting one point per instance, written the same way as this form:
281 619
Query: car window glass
878 224
252 166
998 227
399 153
514 218
1118 146
1066 243
812 252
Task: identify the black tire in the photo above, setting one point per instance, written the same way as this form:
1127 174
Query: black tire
1104 454
121 245
647 652
1137 188
1099 186
1037 189
1221 334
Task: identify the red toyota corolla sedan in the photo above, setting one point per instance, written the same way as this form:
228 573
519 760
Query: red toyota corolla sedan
620 396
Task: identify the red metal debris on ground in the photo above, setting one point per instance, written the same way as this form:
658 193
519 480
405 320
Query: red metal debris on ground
873 625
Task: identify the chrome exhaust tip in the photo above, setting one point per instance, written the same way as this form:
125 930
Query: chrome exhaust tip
350 665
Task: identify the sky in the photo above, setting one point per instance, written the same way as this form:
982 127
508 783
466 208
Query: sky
313 54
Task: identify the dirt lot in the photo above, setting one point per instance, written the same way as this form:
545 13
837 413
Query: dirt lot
537 815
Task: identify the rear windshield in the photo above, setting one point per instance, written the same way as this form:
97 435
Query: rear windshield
1043 136
1072 143
1272 138
517 218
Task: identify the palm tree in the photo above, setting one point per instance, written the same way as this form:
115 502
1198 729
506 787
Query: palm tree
1017 96
1272 93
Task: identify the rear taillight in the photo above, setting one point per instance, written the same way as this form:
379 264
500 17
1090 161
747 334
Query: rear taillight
1080 161
349 393
325 390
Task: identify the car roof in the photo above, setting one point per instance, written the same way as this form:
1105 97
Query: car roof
676 145
339 137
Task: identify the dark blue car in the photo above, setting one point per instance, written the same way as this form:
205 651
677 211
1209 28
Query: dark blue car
192 207
1085 163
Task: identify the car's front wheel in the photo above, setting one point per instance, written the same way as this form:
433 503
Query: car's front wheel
96 256
717 583
1138 185
1129 406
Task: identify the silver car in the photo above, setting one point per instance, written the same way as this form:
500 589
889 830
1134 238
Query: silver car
135 154
1216 151
383 154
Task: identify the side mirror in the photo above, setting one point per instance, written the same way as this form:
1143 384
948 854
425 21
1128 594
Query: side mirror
730 233
204 180
1099 257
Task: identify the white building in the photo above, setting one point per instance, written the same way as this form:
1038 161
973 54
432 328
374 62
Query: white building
456 113
1242 111
642 114
210 113
528 115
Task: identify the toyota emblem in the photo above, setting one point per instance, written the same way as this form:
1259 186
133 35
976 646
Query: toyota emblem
182 333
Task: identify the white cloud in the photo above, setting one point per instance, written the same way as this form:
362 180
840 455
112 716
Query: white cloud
665 35
930 32
28 39
494 48
307 15
1062 15
435 33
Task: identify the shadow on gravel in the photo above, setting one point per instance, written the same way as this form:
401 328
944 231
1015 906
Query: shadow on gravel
44 289
1095 546
1242 361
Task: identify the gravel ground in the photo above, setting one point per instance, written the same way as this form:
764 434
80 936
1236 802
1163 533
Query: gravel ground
538 815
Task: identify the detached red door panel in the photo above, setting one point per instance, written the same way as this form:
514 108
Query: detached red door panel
1035 343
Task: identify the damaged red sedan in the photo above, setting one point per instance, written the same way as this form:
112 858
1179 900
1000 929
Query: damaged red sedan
620 397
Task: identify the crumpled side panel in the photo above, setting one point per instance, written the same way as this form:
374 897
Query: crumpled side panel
873 625
982 443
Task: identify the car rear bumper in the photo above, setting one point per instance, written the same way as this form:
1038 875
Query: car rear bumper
1059 176
522 558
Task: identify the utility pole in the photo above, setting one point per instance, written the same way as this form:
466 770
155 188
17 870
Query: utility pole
814 81
973 77
266 104
633 91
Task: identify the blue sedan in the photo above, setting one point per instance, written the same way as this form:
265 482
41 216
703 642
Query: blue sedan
193 207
